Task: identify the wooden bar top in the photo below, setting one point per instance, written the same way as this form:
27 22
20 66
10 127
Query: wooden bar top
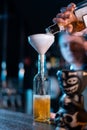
10 120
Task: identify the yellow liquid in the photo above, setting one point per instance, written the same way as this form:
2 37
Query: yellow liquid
41 108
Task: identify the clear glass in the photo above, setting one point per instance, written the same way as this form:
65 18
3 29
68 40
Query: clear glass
79 24
41 92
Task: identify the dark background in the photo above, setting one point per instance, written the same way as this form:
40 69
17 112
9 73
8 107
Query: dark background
18 20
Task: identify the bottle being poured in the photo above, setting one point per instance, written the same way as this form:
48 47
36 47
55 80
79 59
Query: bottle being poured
72 18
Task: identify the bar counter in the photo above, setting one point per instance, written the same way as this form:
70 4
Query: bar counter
10 120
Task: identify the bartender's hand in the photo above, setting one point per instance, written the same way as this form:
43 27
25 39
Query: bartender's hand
66 16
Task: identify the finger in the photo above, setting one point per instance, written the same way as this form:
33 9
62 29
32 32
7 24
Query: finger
71 7
64 16
70 16
59 20
63 9
60 15
69 28
63 22
54 20
67 14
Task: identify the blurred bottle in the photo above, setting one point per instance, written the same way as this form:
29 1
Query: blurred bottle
41 92
79 23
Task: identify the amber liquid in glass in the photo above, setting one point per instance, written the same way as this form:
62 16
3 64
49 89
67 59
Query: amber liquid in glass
41 108
78 26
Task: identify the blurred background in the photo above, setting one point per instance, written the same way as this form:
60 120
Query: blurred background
18 60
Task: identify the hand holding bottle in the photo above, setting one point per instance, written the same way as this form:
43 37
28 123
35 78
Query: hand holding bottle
66 17
73 18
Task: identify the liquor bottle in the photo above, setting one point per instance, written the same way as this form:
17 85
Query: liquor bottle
78 23
41 92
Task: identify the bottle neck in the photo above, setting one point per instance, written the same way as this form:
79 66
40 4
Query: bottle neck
55 28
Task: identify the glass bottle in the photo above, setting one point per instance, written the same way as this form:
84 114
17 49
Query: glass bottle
78 24
41 92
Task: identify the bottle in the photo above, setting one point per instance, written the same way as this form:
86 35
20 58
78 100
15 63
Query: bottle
41 92
78 24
